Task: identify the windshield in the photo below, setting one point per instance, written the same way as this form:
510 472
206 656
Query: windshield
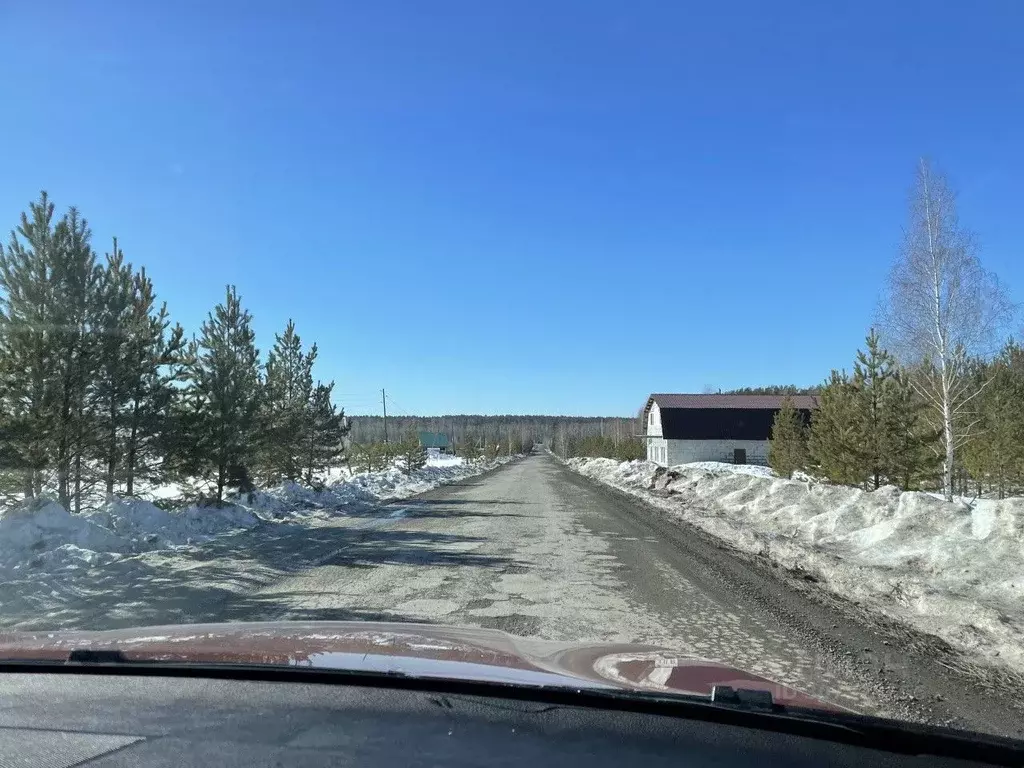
653 346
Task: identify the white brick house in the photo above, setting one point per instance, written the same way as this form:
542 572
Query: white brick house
731 428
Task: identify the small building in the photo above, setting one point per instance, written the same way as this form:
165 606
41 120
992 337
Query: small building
435 443
730 428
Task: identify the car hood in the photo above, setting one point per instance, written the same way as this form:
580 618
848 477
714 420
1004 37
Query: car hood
412 649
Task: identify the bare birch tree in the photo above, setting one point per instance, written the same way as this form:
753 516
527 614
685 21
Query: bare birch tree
942 309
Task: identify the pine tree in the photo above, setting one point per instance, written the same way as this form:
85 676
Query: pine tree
227 382
112 387
469 448
48 280
995 453
869 428
153 356
286 415
412 453
788 448
836 437
26 351
882 418
326 433
185 441
75 280
913 445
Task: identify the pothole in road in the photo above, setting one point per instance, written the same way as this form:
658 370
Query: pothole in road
476 605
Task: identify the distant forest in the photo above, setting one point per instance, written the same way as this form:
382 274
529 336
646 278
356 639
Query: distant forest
781 389
489 430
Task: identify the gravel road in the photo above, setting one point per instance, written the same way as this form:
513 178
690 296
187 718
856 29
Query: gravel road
537 550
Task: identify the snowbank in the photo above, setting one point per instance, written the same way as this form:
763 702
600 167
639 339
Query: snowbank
363 488
42 535
140 521
29 530
947 569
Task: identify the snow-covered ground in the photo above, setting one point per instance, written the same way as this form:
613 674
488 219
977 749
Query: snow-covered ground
42 539
949 569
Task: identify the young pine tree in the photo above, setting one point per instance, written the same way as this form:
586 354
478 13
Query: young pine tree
286 416
111 389
914 445
412 453
995 453
227 386
882 413
153 351
469 449
835 441
326 433
788 448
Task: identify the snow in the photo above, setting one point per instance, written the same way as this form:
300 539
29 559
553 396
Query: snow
42 537
742 469
29 530
445 461
950 569
137 520
344 490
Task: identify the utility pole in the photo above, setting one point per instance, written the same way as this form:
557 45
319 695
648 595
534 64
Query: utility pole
384 402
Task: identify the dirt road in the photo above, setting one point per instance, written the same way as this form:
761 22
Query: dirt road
537 550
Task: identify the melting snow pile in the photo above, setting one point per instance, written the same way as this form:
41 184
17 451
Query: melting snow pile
36 533
395 484
949 569
42 535
143 523
364 488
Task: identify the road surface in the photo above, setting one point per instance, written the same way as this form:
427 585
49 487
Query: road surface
537 550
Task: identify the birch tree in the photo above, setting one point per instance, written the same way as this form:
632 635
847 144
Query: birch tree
942 309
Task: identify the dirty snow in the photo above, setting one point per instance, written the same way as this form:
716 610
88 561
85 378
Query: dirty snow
41 537
949 569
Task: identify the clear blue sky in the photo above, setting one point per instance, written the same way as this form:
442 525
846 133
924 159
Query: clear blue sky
512 206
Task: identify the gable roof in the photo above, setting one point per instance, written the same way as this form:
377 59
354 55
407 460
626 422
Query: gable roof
773 402
433 439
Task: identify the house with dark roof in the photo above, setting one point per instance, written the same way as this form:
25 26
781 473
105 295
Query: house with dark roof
731 428
435 443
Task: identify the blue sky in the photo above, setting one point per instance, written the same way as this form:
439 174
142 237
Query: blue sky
522 207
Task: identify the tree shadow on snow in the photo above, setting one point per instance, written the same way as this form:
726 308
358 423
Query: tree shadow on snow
221 580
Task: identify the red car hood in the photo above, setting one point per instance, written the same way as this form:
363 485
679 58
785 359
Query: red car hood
414 649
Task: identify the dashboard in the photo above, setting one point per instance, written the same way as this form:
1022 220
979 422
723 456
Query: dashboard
63 720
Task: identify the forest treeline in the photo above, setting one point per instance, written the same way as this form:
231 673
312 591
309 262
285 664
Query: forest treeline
99 391
519 431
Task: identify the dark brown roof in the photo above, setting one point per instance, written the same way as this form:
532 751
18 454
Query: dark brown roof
807 402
